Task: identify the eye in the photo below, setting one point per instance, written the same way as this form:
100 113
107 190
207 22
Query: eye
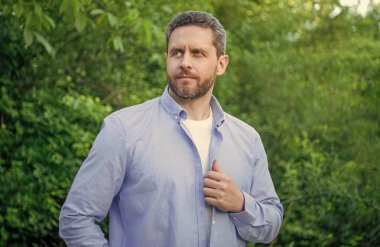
197 53
176 53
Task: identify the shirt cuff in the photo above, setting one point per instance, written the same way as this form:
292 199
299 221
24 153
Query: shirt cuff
252 214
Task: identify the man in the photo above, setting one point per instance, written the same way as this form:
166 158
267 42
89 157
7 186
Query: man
176 170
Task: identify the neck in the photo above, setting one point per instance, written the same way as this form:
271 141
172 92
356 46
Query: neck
197 109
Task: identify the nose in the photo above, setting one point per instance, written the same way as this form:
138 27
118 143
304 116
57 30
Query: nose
186 61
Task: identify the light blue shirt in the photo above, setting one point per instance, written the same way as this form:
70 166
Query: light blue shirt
145 172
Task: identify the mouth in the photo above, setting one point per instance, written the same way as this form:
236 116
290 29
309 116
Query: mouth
185 77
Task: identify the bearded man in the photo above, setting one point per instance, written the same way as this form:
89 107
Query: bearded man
176 170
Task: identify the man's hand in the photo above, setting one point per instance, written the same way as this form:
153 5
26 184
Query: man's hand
221 191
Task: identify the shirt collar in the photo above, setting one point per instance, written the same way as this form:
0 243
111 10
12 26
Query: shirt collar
178 113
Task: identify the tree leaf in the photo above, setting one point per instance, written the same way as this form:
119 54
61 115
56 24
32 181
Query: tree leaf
65 5
49 20
18 9
80 22
41 39
118 43
28 36
29 19
96 12
113 21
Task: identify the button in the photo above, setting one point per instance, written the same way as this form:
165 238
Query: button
175 117
213 222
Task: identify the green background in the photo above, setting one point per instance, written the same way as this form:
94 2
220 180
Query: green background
306 79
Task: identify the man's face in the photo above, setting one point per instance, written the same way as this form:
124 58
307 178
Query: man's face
192 64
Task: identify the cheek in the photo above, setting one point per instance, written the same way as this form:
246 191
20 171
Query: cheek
170 66
208 69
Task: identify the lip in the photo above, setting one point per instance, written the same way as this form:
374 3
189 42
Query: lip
185 77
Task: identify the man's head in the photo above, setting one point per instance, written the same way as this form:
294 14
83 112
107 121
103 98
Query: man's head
195 55
200 19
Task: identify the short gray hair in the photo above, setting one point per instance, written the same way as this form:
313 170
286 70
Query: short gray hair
200 19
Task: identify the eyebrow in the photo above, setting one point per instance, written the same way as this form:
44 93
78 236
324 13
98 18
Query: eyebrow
199 50
176 49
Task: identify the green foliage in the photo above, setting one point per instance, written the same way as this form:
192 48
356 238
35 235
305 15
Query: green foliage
46 130
310 84
307 80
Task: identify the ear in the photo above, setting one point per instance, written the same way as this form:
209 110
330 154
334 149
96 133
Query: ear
222 64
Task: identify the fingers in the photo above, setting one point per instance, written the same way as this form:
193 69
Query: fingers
221 191
216 167
213 202
213 193
216 173
215 198
215 184
225 201
216 176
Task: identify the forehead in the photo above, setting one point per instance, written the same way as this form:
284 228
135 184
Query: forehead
192 36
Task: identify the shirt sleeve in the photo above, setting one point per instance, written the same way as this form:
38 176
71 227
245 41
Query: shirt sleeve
261 219
98 180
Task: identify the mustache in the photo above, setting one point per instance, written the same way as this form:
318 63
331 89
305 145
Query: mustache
186 74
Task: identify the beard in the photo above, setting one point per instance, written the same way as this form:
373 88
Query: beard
183 92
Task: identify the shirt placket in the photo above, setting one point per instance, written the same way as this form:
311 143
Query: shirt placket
199 194
216 141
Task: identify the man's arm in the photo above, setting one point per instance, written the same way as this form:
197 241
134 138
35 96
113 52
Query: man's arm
99 179
257 214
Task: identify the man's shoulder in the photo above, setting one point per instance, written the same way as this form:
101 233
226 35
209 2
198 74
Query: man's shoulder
241 125
135 111
131 119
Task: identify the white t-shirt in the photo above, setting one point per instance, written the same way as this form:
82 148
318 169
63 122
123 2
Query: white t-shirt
201 133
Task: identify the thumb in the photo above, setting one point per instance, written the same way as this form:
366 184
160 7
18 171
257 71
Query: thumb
215 166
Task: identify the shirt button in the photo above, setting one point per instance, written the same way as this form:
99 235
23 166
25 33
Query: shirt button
213 222
175 117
